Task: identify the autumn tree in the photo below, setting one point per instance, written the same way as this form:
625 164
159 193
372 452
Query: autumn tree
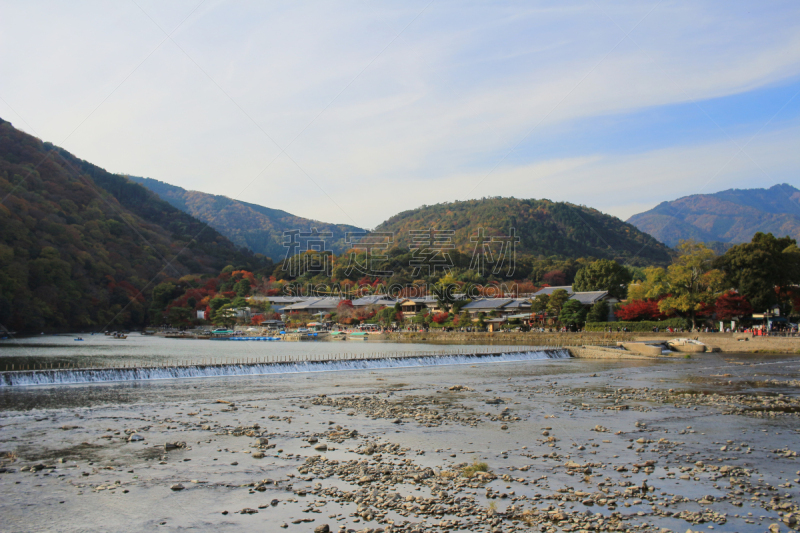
440 318
555 278
692 282
444 291
652 287
635 310
732 305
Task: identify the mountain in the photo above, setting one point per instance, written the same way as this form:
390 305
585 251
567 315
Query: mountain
253 226
545 228
728 217
81 247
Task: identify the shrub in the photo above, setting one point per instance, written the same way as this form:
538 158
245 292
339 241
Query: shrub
475 467
644 326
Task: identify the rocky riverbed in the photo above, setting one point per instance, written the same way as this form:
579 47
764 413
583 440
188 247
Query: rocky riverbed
708 443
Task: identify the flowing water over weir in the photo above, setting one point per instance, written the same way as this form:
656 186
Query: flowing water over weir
100 375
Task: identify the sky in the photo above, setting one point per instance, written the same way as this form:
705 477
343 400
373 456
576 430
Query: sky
351 112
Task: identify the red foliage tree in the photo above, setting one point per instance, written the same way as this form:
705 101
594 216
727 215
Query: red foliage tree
440 318
525 287
256 320
344 305
636 310
555 278
731 305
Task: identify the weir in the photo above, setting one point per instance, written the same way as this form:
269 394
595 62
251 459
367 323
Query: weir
317 363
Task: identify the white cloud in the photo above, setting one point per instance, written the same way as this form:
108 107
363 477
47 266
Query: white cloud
426 116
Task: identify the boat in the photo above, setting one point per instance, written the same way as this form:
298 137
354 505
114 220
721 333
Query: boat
78 339
358 335
120 336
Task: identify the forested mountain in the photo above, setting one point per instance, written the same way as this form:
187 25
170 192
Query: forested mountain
545 228
81 247
730 217
254 226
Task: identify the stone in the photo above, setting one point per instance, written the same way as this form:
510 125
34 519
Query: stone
248 510
177 486
135 438
324 528
321 447
257 455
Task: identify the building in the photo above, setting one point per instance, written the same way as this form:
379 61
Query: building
412 306
279 302
314 306
501 306
592 297
376 299
550 290
588 298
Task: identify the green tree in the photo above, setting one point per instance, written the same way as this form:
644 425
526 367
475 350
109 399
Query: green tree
539 303
598 312
224 316
603 275
242 288
458 304
758 269
692 283
573 313
216 303
179 316
444 292
464 320
556 301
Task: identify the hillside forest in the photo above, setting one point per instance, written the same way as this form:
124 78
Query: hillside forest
83 248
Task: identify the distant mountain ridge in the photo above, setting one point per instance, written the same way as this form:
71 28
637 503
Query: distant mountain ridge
256 227
545 228
728 217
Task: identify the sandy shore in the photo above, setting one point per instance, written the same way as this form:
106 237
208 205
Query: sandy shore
576 445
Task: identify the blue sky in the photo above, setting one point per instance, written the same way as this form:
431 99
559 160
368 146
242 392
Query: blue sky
351 112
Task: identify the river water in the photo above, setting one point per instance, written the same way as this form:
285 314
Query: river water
142 350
